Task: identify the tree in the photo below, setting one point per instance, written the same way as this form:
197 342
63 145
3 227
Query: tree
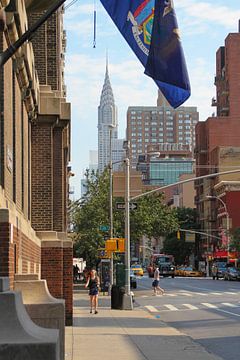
235 240
92 212
152 218
179 248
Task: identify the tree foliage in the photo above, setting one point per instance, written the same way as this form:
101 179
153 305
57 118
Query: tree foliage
179 248
235 240
152 218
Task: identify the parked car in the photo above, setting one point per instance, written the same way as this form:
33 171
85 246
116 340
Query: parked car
218 270
133 280
137 269
232 273
189 271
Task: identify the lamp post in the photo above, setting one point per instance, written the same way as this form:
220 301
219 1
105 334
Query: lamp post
227 218
111 127
127 298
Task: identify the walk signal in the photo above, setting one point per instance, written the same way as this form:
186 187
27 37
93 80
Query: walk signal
121 245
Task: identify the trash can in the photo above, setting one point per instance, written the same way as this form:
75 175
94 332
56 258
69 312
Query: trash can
121 293
115 303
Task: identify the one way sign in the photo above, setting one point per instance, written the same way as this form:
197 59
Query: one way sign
121 206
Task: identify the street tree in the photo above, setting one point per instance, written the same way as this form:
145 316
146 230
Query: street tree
179 248
152 218
235 240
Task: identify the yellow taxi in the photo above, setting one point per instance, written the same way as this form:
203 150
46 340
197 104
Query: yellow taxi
179 270
137 269
189 271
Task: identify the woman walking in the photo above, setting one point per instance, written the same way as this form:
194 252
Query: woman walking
155 284
93 284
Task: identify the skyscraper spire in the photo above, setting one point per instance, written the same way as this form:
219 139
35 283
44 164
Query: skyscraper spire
107 97
107 117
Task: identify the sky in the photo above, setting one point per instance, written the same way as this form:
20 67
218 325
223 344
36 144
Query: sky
203 26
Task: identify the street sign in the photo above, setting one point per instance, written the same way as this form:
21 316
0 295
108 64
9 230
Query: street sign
104 228
121 206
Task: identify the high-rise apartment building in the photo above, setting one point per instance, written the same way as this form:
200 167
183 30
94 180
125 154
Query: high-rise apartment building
107 123
151 125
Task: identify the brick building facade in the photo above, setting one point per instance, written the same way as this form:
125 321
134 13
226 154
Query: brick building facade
217 147
34 153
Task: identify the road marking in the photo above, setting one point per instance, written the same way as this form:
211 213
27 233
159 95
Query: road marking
151 308
216 293
186 294
229 312
170 294
171 307
202 294
144 296
190 307
230 293
211 306
230 305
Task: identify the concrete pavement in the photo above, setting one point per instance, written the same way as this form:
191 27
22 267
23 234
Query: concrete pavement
128 335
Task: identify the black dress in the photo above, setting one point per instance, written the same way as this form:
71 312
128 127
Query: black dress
93 286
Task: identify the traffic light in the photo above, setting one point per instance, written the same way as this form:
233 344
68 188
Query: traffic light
178 235
110 245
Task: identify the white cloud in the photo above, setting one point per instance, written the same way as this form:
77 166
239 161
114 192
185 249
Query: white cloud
212 13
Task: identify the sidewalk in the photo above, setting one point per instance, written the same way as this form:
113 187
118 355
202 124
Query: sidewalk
128 335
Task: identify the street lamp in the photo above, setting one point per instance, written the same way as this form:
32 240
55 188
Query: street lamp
127 297
111 127
227 218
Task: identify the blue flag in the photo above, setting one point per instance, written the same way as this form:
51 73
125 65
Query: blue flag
151 30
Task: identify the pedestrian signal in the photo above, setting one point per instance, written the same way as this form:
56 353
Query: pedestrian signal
121 245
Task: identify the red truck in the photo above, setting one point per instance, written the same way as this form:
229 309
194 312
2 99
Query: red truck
164 262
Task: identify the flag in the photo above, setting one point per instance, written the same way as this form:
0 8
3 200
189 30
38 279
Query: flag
151 30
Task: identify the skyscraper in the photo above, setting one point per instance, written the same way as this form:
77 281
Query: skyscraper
107 122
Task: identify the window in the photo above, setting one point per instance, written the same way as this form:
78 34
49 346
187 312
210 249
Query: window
180 127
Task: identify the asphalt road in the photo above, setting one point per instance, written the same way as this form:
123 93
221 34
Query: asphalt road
206 310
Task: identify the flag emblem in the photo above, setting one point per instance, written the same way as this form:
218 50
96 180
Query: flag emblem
142 23
151 30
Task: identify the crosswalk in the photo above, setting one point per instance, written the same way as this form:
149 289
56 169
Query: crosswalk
194 294
182 307
165 301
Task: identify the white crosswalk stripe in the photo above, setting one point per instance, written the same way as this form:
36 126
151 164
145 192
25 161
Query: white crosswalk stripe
190 307
211 306
216 293
171 307
185 294
201 294
230 305
151 308
230 293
